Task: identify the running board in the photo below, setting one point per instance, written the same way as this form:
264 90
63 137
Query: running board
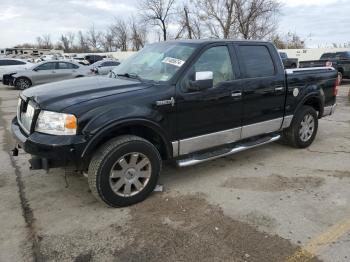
200 158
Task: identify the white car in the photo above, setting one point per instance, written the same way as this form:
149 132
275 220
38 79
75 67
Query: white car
9 65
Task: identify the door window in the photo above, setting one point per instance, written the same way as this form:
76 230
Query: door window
215 59
11 62
46 66
257 61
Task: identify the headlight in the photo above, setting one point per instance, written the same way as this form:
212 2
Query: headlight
56 123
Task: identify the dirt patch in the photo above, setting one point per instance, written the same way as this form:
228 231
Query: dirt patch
2 182
187 228
273 183
340 174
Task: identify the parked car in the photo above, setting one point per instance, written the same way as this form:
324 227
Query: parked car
188 101
45 72
9 65
93 58
339 60
81 60
288 62
103 67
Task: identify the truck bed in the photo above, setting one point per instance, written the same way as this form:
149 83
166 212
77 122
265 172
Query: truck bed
308 80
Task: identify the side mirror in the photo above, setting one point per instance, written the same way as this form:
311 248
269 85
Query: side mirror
203 80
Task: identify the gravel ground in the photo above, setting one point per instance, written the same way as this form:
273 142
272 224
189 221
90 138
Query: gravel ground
272 203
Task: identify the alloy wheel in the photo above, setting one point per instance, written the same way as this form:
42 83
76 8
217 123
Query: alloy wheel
307 127
130 174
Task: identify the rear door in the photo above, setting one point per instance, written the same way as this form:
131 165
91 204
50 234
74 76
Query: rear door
65 70
264 90
209 117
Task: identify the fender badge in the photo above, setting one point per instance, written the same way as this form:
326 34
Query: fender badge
295 92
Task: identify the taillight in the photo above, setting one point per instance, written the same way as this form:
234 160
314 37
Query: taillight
329 64
336 87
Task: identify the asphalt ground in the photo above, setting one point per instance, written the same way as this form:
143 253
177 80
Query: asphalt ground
272 203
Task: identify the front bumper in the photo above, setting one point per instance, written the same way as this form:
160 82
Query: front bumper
8 80
49 151
329 110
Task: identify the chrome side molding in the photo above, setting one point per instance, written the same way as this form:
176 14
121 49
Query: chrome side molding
197 159
294 70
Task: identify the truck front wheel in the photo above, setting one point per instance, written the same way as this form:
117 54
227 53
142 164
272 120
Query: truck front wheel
303 129
124 171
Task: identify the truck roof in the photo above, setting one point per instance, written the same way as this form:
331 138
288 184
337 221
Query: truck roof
212 41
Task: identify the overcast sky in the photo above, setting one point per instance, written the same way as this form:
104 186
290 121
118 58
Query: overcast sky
321 22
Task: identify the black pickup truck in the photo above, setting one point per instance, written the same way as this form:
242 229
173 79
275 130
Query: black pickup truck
189 101
339 60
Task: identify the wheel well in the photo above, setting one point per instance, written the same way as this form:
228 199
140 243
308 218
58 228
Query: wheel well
138 130
314 103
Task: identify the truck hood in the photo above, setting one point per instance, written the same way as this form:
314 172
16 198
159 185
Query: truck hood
59 95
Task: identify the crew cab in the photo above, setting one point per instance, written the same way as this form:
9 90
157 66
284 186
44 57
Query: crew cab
188 101
339 60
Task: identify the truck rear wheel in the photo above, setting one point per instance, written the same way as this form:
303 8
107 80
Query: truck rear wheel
303 129
124 171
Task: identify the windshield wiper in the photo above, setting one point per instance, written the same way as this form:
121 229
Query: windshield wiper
132 76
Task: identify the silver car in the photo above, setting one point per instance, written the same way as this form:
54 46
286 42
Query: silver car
48 71
103 67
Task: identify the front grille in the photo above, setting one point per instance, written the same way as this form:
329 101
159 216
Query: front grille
25 115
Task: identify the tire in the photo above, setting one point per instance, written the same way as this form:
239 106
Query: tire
302 132
23 83
117 166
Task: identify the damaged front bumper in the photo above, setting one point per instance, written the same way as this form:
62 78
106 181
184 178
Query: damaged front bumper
48 151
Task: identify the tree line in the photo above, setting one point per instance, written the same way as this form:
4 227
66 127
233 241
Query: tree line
162 20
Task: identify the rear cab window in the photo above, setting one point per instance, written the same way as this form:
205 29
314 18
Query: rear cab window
256 60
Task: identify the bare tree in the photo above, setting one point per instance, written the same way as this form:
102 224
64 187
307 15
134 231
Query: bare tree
189 24
83 45
39 42
64 41
218 16
107 41
71 38
47 41
138 34
94 38
256 19
288 41
158 13
121 34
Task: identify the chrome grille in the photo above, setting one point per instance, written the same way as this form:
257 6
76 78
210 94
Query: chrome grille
25 114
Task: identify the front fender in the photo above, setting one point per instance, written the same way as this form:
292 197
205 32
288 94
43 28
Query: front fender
112 120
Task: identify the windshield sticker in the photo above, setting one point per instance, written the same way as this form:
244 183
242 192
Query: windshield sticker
173 61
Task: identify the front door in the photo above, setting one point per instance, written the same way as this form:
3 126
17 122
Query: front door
209 117
264 89
43 73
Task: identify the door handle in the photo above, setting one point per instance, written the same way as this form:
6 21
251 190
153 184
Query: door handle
279 88
236 94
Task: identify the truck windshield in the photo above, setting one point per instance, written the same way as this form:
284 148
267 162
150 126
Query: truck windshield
327 56
155 62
